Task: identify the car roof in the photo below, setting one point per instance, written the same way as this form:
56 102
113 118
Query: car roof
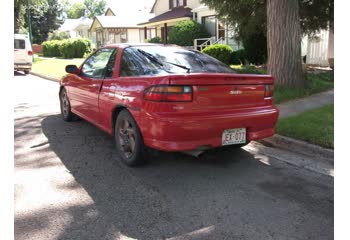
21 36
125 45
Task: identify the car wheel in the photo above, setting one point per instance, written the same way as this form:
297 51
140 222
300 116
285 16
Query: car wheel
26 72
66 113
128 139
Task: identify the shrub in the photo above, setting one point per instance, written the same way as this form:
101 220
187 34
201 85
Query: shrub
51 48
222 52
75 48
255 48
155 40
184 32
238 57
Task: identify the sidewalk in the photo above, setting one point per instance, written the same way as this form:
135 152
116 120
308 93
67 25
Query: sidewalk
296 107
301 105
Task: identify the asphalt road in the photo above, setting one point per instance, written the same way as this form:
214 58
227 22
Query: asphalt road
69 184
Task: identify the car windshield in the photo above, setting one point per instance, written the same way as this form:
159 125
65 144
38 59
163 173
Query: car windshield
179 60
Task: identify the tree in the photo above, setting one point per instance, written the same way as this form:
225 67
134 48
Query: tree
77 10
284 37
45 19
20 11
248 17
95 7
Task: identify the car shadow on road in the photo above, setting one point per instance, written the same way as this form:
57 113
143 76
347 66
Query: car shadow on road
16 73
174 194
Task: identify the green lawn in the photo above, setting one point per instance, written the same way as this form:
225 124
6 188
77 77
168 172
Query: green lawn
53 67
315 83
315 126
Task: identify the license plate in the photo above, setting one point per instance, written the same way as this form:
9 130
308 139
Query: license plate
234 136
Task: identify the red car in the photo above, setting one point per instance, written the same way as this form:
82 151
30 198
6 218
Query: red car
167 98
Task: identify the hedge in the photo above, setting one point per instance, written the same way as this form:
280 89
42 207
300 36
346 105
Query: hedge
184 32
51 48
68 48
155 40
222 52
238 57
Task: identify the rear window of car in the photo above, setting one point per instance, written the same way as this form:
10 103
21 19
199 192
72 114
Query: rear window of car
20 44
164 59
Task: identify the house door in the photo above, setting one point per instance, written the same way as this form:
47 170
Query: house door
210 25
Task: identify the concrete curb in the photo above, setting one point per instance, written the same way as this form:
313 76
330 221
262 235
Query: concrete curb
300 147
45 77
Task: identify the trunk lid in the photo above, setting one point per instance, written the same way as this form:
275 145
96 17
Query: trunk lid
225 91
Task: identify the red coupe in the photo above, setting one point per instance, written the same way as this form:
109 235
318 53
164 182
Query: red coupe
167 98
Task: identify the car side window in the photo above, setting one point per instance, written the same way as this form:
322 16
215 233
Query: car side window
95 65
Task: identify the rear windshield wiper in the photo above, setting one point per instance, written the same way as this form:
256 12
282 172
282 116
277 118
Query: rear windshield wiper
155 60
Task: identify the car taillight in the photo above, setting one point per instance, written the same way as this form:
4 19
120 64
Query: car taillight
30 53
168 94
268 90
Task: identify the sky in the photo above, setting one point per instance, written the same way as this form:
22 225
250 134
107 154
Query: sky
124 6
130 5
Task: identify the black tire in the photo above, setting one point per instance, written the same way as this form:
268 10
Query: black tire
66 112
26 72
128 140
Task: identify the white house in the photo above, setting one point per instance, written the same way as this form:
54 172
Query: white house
111 28
76 27
169 12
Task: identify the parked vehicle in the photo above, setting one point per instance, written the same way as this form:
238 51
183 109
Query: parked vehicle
23 56
167 98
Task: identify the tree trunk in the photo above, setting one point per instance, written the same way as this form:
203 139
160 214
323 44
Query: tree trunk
17 15
284 42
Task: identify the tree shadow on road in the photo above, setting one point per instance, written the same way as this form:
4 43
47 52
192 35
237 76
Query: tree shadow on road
173 195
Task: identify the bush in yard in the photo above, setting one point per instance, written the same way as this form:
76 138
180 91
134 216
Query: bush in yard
155 40
238 57
51 48
255 46
75 48
222 52
184 32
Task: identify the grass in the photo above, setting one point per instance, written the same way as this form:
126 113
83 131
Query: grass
315 126
53 67
315 83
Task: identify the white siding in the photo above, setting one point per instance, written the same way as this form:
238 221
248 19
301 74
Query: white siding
193 4
134 36
317 49
162 6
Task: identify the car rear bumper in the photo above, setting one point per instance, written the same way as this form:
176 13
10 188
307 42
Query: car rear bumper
23 66
181 133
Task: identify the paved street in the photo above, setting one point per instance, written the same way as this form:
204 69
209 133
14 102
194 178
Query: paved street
69 184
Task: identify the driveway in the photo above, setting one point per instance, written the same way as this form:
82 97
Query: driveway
70 184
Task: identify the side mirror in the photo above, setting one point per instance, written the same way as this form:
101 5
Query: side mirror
72 69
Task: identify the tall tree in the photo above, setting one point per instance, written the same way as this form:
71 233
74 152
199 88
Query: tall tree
45 19
18 15
248 17
95 7
284 37
77 10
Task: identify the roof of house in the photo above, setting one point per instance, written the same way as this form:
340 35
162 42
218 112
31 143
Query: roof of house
174 13
121 21
72 24
69 25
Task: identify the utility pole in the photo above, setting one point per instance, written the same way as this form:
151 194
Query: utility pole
29 22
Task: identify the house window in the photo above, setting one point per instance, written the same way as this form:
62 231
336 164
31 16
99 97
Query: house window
177 3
